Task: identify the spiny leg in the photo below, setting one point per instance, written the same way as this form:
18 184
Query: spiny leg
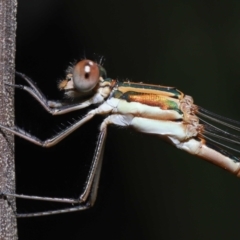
90 190
31 83
51 141
102 109
88 197
95 171
36 93
53 107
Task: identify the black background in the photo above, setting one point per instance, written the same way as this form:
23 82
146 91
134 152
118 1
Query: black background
148 189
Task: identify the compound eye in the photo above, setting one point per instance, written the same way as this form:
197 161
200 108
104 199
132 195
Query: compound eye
85 75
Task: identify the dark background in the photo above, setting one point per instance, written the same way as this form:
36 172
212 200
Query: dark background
148 189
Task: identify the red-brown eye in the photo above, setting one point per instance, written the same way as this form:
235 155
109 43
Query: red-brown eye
85 75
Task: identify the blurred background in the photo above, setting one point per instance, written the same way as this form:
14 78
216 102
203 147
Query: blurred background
148 189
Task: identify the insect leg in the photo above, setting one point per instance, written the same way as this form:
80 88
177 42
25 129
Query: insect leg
51 141
87 198
53 107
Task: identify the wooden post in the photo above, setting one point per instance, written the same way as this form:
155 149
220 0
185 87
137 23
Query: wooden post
8 223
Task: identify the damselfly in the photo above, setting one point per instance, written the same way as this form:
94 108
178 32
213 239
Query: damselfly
153 109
